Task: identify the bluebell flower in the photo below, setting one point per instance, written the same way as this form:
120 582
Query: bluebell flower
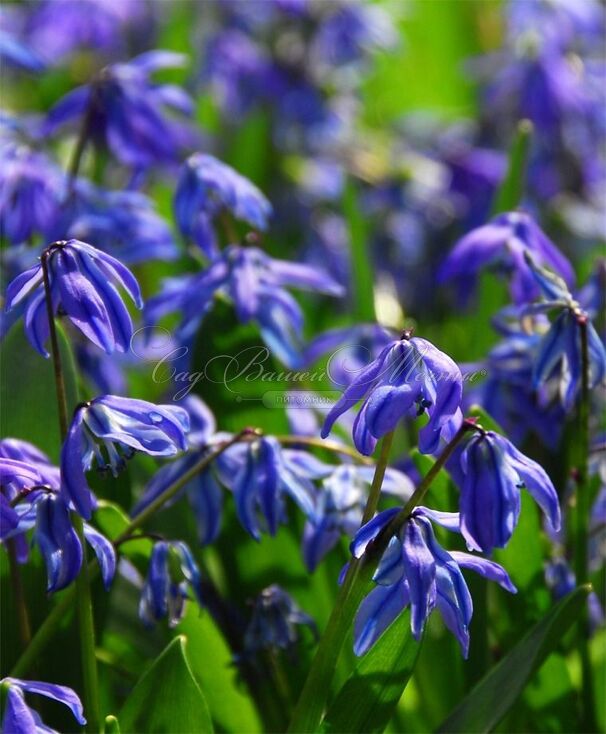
19 54
19 718
490 473
274 623
207 188
410 377
110 429
416 571
502 244
164 594
101 370
560 349
340 504
82 286
32 192
126 112
256 284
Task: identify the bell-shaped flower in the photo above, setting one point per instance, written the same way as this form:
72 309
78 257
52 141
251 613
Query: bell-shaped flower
83 286
410 377
21 719
502 244
561 349
490 473
127 112
208 188
416 572
172 576
275 623
110 429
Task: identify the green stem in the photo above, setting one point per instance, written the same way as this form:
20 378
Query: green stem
321 443
313 698
581 534
25 632
83 591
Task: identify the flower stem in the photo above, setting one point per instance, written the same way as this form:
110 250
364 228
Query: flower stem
83 591
313 698
581 533
25 632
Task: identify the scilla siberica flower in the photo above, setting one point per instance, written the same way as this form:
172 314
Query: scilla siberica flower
206 188
416 571
164 594
561 350
409 377
490 473
110 429
19 718
502 244
126 111
82 286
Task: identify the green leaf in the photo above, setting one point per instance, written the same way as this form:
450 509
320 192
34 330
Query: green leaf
369 697
27 391
362 275
167 699
496 693
213 668
112 726
511 191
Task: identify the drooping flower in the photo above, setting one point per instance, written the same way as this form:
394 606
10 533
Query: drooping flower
274 623
206 188
127 112
19 718
502 244
490 473
410 377
82 286
163 594
340 504
561 348
416 571
110 429
256 285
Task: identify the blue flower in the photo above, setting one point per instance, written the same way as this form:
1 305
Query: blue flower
32 191
126 112
19 54
560 349
82 286
502 244
163 595
490 473
255 283
416 571
110 429
410 377
20 719
274 622
207 188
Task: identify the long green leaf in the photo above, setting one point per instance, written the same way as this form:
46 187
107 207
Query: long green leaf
511 191
167 699
494 695
361 263
369 697
27 391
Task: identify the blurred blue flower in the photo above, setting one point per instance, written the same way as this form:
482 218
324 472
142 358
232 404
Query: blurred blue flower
82 288
164 593
20 719
125 111
208 188
410 377
416 571
255 283
110 429
502 244
32 191
19 54
560 349
490 473
274 623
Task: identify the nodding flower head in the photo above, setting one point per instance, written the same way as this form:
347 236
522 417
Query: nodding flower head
18 717
109 430
82 282
410 377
